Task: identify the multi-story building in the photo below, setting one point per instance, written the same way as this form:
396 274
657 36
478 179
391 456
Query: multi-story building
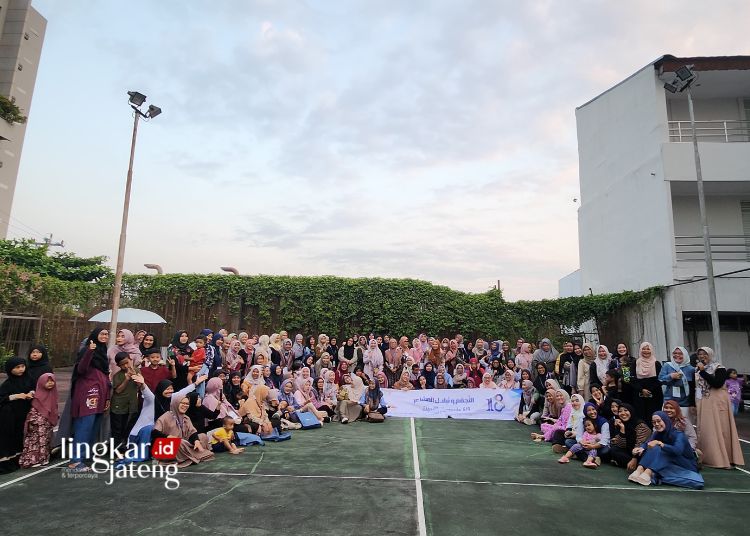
20 49
639 221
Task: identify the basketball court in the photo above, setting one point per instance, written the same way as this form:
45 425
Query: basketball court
405 476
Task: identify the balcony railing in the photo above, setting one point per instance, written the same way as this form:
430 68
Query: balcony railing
720 130
723 248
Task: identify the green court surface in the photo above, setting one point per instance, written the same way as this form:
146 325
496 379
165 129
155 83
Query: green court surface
471 477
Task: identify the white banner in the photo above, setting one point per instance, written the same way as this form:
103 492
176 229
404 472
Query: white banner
498 404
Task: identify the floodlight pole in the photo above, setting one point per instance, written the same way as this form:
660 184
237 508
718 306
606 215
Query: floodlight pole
123 232
706 236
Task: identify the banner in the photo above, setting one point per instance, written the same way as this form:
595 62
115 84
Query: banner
497 404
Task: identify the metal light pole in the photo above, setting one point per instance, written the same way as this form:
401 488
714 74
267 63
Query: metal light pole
136 100
706 236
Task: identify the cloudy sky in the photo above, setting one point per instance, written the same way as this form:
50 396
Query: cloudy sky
425 139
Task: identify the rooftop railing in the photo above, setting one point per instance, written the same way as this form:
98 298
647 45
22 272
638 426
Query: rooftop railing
723 248
720 130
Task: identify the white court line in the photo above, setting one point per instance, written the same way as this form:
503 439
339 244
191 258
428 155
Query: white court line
663 489
418 482
24 477
744 440
743 470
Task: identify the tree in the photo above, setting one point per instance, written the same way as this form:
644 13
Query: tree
64 266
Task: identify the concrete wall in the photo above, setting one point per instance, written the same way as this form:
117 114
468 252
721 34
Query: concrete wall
570 285
723 213
21 41
705 109
735 347
625 219
719 161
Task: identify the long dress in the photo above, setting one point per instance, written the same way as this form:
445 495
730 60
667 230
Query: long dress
717 432
12 416
36 442
674 463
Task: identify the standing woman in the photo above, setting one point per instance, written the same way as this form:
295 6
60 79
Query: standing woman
373 359
624 363
678 380
524 358
546 354
179 352
38 363
584 370
124 342
90 394
393 361
648 393
16 394
717 432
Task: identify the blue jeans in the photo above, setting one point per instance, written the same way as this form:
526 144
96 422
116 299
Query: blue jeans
84 433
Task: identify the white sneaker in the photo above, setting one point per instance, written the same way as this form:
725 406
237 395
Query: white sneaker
344 420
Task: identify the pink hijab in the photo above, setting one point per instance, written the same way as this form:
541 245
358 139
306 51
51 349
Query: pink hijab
45 400
645 368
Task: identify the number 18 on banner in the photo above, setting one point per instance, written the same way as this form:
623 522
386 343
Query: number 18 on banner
495 403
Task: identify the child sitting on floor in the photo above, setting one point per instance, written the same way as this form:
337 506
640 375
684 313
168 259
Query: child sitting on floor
223 439
589 437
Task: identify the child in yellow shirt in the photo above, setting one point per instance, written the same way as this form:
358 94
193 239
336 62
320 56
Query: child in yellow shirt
223 438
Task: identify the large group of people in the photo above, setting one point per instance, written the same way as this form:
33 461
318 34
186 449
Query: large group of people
219 390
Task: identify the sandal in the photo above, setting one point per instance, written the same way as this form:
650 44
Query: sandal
79 467
564 459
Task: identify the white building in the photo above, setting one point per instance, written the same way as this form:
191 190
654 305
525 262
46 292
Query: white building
639 222
22 31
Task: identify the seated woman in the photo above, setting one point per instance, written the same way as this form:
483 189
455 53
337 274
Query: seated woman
441 371
307 399
288 405
602 432
562 402
509 380
674 411
440 382
350 392
254 415
528 408
326 394
628 431
422 383
403 383
373 403
459 376
667 458
215 400
487 382
199 414
194 447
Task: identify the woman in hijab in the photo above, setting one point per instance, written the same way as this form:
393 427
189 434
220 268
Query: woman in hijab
648 393
124 342
528 408
542 374
416 351
214 400
602 363
717 432
233 391
302 376
574 429
487 382
673 411
393 360
562 403
342 370
509 380
194 447
38 363
16 395
274 344
429 373
199 414
350 393
40 423
584 371
441 371
440 382
459 377
373 401
147 344
678 379
382 379
307 400
666 458
253 413
546 354
233 360
628 431
496 370
524 358
277 376
403 383
373 359
90 393
287 354
179 351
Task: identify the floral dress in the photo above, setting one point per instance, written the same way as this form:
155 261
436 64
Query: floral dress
37 440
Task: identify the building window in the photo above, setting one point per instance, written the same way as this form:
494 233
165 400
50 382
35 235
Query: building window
701 321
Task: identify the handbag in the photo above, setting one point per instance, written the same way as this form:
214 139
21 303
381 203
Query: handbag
374 416
307 420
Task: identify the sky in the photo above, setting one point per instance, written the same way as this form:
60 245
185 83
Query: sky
427 139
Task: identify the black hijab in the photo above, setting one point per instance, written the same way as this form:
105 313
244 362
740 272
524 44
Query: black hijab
100 360
349 350
36 368
630 425
145 350
161 402
374 396
233 391
184 349
15 385
276 378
